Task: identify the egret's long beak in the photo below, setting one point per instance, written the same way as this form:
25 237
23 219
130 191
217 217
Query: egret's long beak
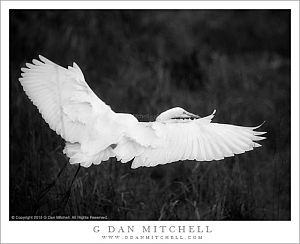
190 115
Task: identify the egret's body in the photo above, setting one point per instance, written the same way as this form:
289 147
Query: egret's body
94 132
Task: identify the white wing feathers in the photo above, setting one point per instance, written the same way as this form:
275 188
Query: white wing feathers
198 140
94 133
66 102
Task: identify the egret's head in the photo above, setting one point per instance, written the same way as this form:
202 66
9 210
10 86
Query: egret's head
176 113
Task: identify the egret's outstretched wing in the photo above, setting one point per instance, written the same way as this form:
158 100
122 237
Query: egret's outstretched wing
64 99
198 140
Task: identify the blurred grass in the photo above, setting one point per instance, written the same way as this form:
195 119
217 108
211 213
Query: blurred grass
144 62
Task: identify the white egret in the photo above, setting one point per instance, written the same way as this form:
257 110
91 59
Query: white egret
94 132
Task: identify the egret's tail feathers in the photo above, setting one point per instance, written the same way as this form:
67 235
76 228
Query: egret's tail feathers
126 150
74 152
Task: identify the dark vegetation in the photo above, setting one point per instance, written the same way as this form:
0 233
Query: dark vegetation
145 62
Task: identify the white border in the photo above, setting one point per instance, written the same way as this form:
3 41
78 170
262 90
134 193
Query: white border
82 232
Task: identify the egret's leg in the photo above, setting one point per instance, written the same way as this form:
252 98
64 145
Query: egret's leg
68 193
48 188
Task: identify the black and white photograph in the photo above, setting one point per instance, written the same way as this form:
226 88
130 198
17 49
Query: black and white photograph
149 115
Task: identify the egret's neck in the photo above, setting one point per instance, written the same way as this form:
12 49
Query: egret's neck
169 114
177 114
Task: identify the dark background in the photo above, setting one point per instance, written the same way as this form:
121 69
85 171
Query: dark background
144 62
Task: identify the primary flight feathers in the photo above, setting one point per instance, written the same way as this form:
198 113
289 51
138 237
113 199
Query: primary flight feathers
94 132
